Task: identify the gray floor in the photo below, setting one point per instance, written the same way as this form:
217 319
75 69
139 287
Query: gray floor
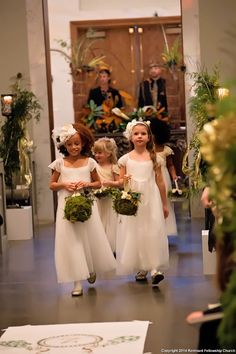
29 293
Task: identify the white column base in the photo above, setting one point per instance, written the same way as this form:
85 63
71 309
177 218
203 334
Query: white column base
19 223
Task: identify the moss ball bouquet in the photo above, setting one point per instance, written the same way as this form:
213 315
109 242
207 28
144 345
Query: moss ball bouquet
78 206
126 202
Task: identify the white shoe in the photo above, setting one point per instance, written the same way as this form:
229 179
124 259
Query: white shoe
77 291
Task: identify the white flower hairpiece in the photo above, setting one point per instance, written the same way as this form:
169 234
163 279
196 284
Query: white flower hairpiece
130 126
62 134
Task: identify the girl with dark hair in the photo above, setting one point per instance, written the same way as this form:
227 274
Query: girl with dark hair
81 248
161 135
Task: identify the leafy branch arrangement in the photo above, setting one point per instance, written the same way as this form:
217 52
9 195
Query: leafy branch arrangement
15 144
77 55
202 110
172 56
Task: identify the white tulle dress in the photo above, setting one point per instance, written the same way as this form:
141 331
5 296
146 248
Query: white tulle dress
142 242
107 213
81 247
171 226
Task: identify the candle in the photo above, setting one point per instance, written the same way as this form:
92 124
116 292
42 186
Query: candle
7 101
222 92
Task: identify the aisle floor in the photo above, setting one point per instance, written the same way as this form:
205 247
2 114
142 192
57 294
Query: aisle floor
29 293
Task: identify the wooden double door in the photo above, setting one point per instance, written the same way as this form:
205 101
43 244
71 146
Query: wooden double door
129 45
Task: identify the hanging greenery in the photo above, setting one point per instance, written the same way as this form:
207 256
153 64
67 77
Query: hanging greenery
14 140
171 55
202 110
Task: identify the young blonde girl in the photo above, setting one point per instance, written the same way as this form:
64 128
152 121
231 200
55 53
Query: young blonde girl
81 248
105 153
142 243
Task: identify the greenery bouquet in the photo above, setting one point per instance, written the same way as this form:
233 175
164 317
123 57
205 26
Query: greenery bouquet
104 192
126 202
78 207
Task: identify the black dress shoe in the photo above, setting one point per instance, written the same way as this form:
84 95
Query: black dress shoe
92 278
157 278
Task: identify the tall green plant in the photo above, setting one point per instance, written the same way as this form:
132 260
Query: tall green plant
25 107
202 110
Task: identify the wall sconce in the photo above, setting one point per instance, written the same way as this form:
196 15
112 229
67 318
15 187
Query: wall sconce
131 30
140 30
7 102
222 92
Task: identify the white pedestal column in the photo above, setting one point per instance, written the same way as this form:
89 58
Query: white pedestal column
209 258
19 223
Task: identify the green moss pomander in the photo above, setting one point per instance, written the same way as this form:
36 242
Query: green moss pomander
78 208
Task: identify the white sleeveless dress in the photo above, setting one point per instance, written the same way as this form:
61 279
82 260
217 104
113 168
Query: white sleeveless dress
142 242
81 247
171 226
107 213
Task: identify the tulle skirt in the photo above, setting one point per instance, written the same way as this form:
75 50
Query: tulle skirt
171 227
81 247
109 220
142 242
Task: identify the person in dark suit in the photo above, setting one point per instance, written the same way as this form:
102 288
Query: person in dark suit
152 92
104 92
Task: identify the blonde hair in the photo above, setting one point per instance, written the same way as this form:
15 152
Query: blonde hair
107 145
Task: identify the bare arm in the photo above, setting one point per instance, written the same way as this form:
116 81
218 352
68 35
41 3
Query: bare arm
122 177
161 185
54 185
171 167
114 183
206 202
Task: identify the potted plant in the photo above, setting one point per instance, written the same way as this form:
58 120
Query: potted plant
77 55
15 144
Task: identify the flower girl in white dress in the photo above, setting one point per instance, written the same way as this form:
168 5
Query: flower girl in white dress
161 134
142 243
105 153
81 248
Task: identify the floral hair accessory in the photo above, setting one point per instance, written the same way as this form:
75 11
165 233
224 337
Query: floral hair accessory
130 126
62 134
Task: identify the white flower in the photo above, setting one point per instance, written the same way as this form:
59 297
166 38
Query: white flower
119 113
130 126
145 108
125 195
62 134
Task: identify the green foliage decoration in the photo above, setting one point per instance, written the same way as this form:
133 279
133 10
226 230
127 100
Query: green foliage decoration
25 107
78 53
202 110
227 328
218 147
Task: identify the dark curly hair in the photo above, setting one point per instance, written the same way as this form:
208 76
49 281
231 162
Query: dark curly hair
87 139
160 131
